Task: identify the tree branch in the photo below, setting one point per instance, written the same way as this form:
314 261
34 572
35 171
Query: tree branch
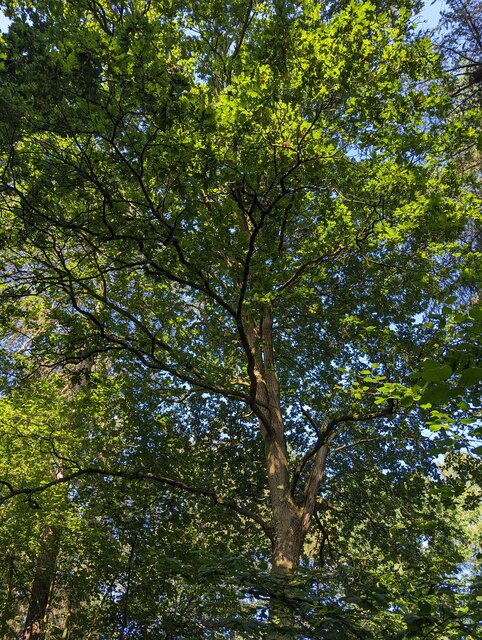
142 475
331 430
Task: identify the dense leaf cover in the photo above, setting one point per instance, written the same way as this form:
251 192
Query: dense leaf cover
237 244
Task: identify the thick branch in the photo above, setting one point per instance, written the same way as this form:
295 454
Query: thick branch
321 451
147 476
244 27
331 430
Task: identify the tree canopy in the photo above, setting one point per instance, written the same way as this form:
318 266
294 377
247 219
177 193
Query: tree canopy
241 325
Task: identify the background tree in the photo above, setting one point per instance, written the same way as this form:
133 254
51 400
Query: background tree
462 22
461 44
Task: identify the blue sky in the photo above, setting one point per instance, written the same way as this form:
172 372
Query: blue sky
3 22
431 12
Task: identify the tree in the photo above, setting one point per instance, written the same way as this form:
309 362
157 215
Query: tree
247 207
461 44
462 21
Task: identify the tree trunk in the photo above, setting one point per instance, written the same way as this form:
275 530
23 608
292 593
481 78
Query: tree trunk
42 586
286 515
44 577
287 545
290 519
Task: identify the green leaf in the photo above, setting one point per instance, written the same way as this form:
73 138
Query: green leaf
476 313
437 394
470 377
433 371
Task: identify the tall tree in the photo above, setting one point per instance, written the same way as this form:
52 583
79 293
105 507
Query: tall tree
462 41
249 206
461 44
42 585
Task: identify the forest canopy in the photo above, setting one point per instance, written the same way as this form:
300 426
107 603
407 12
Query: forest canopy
240 313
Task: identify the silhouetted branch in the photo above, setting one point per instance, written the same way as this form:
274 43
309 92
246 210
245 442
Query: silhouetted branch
141 475
331 430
